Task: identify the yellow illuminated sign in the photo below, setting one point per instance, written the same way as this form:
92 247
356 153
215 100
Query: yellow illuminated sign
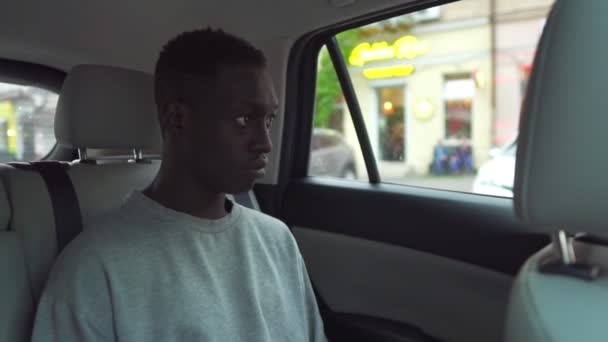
391 71
408 47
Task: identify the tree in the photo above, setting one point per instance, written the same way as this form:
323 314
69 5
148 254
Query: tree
329 92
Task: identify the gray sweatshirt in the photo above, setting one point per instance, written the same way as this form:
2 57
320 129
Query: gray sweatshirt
148 273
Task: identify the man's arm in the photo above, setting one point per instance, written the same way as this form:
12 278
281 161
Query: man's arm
75 304
60 320
315 322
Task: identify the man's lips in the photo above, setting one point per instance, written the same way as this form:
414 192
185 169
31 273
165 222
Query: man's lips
257 168
259 163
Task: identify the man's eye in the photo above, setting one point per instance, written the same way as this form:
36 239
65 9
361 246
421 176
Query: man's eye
243 121
269 120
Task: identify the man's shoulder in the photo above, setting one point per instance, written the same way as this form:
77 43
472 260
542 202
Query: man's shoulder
82 260
270 229
262 217
265 222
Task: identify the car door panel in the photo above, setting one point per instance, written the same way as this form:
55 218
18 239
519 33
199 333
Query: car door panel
399 284
426 260
475 229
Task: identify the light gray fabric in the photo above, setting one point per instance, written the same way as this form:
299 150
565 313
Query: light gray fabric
16 303
561 162
556 308
107 107
100 107
560 178
33 220
101 188
148 273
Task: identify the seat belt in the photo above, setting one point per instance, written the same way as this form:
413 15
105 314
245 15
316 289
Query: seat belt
66 208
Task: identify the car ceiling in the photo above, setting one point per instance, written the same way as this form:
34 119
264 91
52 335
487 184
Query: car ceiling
63 33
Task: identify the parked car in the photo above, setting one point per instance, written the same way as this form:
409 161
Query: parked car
331 155
496 176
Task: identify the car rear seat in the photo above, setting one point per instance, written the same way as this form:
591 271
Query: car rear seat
99 107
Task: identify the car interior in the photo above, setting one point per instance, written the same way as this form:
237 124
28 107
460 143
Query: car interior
390 260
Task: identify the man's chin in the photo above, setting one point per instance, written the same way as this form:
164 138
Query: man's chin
242 186
241 182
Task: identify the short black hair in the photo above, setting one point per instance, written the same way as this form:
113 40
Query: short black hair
197 54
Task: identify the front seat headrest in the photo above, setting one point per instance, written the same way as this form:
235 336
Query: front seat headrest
561 177
107 107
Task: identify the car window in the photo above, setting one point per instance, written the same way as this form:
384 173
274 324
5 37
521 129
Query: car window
27 116
439 90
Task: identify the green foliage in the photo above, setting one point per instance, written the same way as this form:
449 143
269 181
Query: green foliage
328 91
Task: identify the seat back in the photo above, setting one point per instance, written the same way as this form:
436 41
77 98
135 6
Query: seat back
16 298
561 293
99 107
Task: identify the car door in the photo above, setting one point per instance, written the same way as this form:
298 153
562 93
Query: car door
401 254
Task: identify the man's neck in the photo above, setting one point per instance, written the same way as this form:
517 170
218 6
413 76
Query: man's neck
183 194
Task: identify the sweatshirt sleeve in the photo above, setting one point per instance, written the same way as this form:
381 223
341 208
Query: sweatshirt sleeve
76 303
60 320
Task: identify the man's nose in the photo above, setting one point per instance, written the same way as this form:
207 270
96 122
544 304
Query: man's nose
261 140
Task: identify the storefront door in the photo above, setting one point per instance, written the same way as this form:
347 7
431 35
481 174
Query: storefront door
391 121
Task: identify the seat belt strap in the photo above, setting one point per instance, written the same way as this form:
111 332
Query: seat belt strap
66 208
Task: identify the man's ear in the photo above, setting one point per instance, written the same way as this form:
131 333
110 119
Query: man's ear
175 116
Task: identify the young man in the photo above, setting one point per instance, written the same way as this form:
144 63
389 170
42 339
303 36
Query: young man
178 261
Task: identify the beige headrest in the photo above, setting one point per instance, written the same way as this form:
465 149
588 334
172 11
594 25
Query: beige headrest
107 107
561 177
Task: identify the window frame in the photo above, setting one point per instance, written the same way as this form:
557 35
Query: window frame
301 86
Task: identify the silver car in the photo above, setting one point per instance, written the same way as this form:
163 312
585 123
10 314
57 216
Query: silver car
330 155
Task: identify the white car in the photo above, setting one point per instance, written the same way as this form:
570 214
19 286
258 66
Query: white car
496 176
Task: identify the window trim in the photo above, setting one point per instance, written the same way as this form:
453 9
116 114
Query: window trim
31 74
354 108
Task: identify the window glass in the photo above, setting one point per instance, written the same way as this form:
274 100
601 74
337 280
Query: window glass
440 92
26 122
334 149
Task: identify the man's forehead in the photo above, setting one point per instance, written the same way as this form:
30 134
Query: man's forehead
252 86
270 104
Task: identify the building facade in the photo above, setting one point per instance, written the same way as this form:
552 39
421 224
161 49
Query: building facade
453 76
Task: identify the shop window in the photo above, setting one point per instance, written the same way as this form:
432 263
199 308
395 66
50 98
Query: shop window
440 98
458 102
27 116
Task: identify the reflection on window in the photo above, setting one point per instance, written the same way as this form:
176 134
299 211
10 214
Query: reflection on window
440 92
26 122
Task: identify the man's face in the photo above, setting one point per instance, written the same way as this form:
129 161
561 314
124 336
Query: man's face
227 135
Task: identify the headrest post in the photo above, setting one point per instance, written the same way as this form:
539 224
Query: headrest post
82 154
563 246
138 155
566 264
